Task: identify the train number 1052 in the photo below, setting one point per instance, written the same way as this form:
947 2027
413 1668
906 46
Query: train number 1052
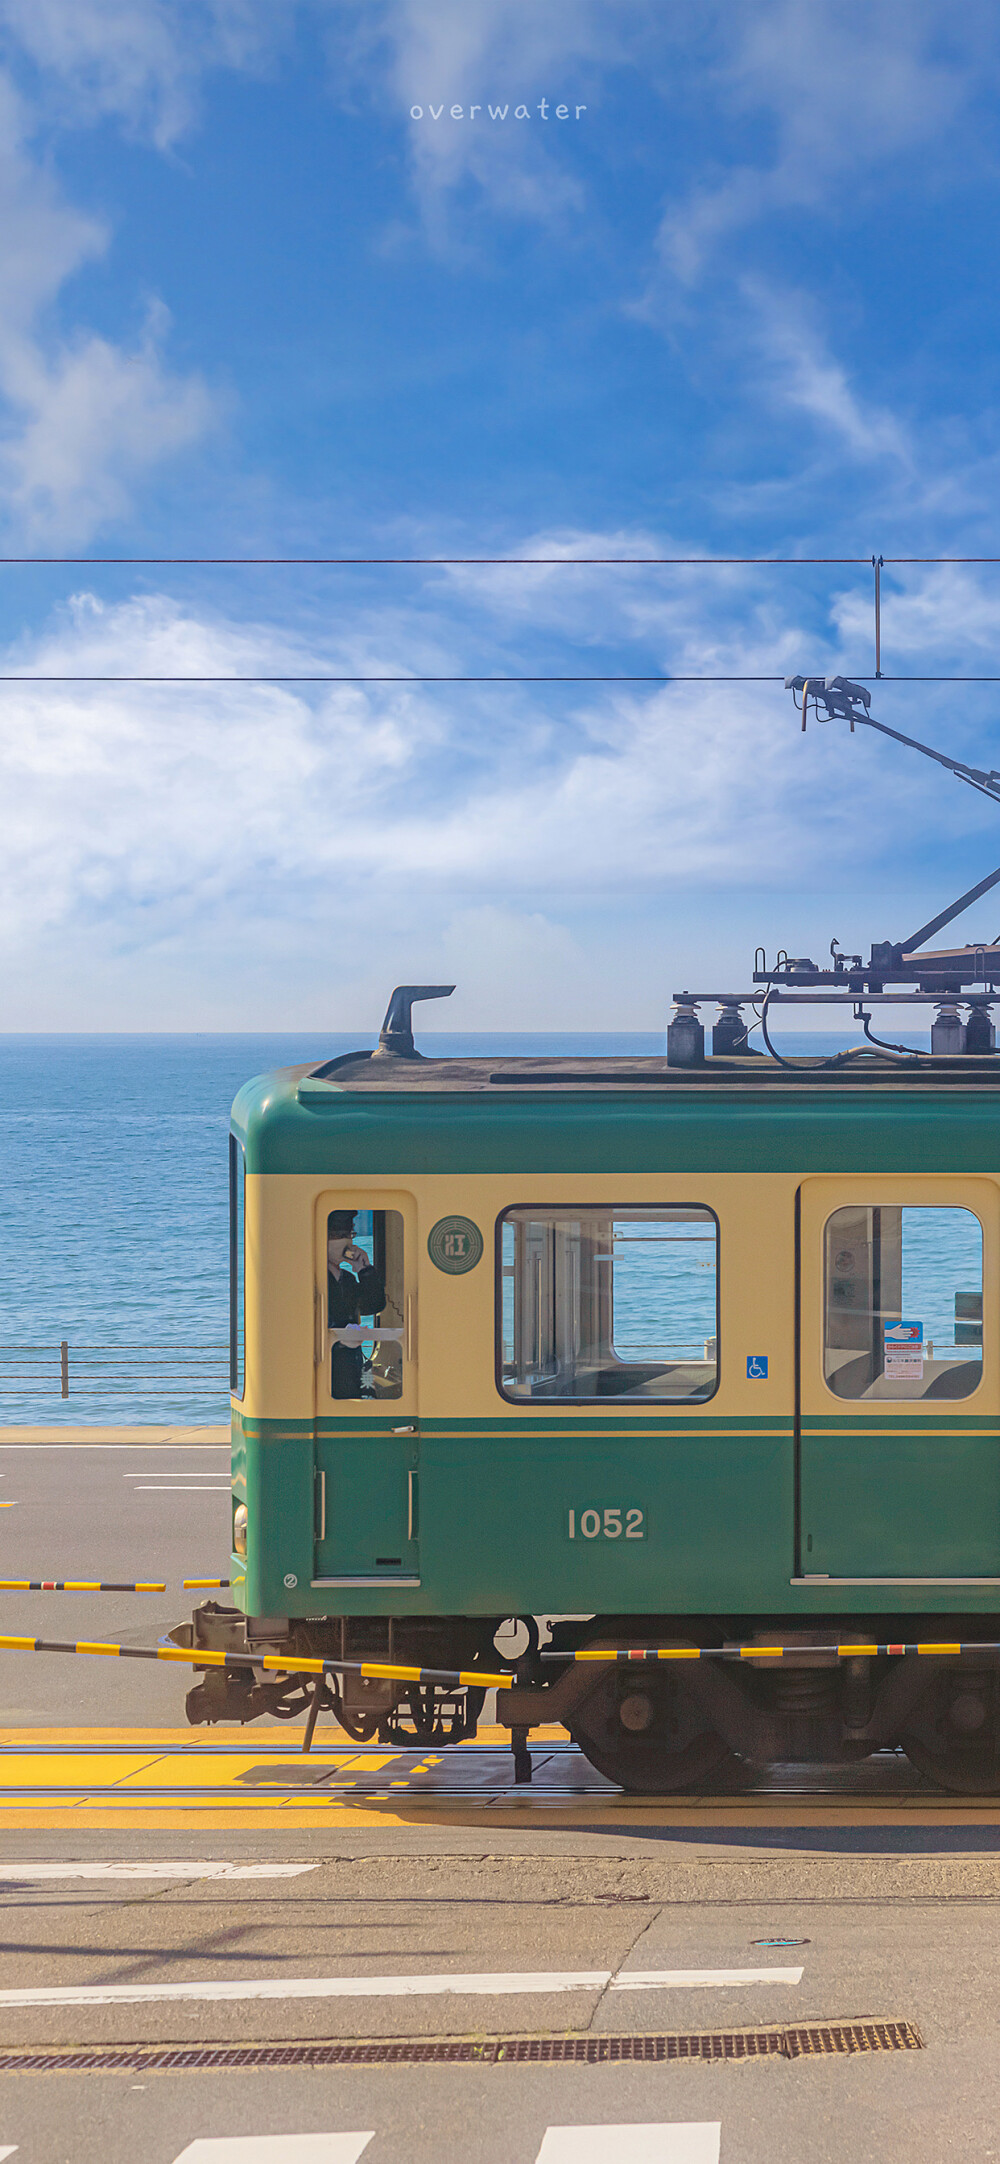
607 1524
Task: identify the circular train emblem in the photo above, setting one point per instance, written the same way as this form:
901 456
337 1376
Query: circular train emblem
455 1245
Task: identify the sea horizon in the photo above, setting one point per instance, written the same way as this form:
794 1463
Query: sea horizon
114 1203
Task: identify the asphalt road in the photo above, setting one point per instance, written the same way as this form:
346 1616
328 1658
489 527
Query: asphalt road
108 1511
888 1954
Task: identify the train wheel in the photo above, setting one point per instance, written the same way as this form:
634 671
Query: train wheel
974 1770
650 1734
954 1734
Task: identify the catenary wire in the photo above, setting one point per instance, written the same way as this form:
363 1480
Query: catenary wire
348 562
358 561
20 677
76 678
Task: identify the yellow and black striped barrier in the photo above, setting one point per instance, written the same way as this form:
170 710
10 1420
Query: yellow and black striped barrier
640 1654
78 1585
190 1584
201 1657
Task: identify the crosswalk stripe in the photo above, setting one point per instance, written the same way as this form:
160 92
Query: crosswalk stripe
488 1985
696 2142
699 1979
277 2149
7 2149
26 1874
665 2142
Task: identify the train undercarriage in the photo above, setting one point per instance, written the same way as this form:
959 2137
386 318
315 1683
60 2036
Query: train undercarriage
652 1729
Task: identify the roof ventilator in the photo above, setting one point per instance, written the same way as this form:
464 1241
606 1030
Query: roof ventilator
396 1034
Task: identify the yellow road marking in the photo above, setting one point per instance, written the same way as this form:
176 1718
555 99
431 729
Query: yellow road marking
229 1772
284 1737
39 1819
75 1769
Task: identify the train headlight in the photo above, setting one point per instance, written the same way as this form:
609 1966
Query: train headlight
240 1529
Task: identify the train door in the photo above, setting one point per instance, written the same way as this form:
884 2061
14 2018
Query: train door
899 1380
366 1462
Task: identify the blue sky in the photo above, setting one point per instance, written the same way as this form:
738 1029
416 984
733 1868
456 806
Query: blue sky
255 298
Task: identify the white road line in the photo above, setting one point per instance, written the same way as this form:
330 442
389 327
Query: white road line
27 1874
699 1979
9 2149
276 2148
503 1984
694 2142
164 1487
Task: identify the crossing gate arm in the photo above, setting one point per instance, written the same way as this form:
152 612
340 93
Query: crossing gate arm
81 1585
639 1655
201 1657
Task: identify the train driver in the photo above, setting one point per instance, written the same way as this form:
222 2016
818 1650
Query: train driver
348 1298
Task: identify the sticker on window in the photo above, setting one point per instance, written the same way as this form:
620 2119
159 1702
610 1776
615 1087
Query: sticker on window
903 1352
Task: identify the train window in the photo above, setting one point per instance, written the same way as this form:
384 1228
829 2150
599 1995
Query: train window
237 1327
904 1303
608 1302
364 1303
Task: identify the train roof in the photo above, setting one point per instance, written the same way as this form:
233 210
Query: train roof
371 1071
372 1113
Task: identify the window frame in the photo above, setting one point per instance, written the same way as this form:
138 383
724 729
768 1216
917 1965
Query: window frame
614 1406
824 1302
237 1269
334 1193
374 1209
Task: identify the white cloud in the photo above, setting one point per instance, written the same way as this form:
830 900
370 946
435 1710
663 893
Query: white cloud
138 61
84 418
936 617
81 418
499 52
208 838
507 954
845 88
801 372
87 419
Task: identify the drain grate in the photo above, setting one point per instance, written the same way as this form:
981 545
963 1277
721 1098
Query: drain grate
806 2040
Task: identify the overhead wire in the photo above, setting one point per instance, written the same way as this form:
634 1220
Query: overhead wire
332 562
663 677
559 562
492 562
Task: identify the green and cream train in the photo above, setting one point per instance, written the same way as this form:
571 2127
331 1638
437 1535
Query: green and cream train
701 1355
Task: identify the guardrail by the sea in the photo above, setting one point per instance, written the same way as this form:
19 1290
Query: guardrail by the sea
140 1372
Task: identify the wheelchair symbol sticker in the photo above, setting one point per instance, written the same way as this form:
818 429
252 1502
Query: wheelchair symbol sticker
757 1367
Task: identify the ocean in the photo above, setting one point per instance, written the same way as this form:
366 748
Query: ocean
114 1210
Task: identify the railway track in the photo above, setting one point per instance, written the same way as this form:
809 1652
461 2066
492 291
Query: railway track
140 1777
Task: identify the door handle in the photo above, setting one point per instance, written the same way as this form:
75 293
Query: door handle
410 1343
322 1506
411 1483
